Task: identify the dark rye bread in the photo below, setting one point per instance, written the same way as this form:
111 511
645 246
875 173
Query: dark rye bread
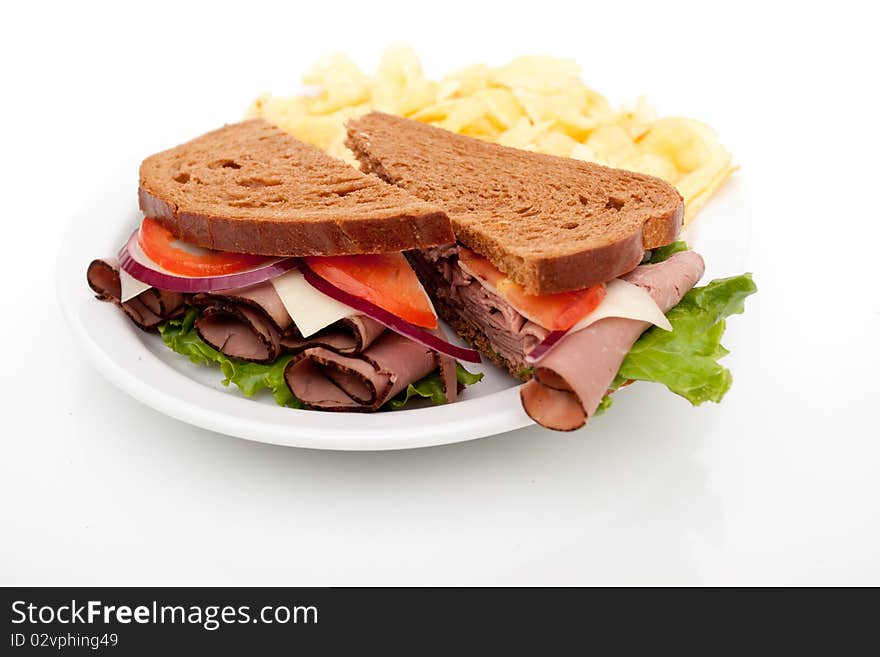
551 223
252 188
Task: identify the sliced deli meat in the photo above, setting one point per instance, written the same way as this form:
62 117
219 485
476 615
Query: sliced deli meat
261 296
147 310
330 381
350 335
253 324
477 314
246 323
448 376
569 383
240 332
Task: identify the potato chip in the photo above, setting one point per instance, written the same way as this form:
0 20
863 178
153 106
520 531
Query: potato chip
611 144
585 153
577 111
503 108
535 103
339 83
693 148
463 112
637 118
524 134
696 201
453 114
467 81
400 86
434 113
556 143
482 128
537 74
686 142
650 164
257 107
447 89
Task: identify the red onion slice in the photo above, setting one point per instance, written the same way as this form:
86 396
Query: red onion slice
393 322
542 348
139 265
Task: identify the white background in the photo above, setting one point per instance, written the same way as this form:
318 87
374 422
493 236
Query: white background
779 484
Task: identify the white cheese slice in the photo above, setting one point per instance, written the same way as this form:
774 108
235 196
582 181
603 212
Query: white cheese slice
628 301
310 309
130 286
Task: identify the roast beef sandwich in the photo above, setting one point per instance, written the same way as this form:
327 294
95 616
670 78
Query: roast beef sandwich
565 272
283 265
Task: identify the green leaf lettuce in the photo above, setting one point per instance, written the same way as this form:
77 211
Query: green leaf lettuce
685 359
251 378
431 387
662 253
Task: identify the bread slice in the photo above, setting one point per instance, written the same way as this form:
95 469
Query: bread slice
252 188
551 223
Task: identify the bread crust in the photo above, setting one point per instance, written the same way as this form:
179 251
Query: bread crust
280 197
552 224
319 236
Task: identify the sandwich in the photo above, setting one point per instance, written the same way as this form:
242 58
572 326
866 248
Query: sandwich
284 266
568 274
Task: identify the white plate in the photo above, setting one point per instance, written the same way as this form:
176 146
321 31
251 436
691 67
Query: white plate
142 366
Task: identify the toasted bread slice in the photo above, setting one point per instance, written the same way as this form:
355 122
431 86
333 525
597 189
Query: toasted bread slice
551 223
252 188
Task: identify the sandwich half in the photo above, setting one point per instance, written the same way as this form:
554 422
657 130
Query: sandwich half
551 275
283 265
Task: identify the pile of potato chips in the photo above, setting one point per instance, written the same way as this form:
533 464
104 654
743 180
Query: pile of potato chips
534 103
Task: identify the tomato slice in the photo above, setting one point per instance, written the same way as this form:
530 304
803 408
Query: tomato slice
384 279
556 312
175 256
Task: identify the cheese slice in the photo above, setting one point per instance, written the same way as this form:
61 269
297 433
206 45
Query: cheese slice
130 287
310 309
629 301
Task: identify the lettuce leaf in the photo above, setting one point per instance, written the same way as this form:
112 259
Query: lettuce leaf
466 378
662 253
685 359
181 336
604 405
431 387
